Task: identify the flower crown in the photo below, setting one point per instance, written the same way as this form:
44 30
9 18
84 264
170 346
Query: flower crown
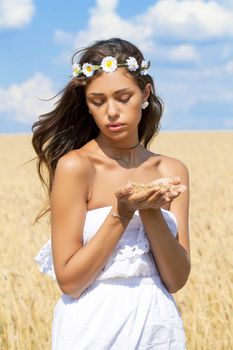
109 64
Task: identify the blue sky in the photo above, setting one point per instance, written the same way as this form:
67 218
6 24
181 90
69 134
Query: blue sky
189 44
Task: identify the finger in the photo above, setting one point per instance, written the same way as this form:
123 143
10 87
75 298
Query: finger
123 191
156 197
172 195
165 202
146 194
175 191
162 202
180 188
166 197
176 180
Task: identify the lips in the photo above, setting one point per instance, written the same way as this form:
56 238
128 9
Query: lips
115 126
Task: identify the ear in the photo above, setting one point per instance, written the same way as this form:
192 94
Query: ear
146 92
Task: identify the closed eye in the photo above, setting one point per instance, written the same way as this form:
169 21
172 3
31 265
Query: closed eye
125 100
97 103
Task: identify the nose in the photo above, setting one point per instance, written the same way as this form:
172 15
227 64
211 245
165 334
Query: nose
112 110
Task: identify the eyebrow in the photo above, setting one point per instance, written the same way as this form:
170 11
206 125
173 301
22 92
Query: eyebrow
101 94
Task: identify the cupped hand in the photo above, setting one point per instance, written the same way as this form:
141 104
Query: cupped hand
137 196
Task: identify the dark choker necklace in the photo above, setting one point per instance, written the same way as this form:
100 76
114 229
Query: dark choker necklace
111 146
129 147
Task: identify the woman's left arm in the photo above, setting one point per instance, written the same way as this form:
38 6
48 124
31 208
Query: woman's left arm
172 255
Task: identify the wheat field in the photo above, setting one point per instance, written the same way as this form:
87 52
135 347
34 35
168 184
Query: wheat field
27 297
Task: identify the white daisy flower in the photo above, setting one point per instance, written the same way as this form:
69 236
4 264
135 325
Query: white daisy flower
88 69
76 69
132 64
109 64
144 67
144 72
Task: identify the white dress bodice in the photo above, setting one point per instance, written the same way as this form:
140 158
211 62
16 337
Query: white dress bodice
131 257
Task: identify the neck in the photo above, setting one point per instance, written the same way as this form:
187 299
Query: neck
123 148
119 151
118 145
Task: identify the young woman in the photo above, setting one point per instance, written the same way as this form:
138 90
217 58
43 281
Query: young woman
117 253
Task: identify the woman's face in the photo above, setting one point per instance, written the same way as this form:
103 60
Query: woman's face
114 100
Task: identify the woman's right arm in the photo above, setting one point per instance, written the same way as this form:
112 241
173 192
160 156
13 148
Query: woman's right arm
77 266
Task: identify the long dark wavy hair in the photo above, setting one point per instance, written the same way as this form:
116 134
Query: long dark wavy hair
70 126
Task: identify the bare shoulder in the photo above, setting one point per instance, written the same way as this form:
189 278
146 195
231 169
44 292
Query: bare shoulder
73 174
169 167
74 162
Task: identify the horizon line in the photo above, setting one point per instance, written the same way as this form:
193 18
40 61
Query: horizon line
160 131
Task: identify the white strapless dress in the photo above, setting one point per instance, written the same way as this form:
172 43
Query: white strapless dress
127 307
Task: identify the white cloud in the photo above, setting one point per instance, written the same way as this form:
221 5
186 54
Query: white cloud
184 53
167 19
16 13
188 19
104 22
108 5
170 31
22 100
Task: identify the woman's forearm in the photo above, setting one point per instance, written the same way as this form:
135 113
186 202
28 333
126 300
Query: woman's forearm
170 257
85 265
